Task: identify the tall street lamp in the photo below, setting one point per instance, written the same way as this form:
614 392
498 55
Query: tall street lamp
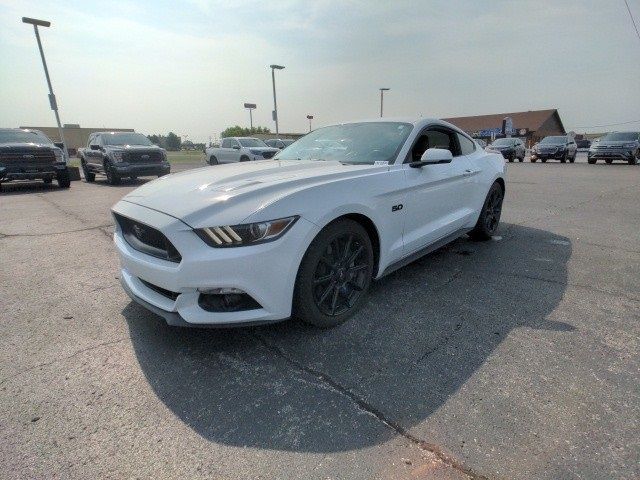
250 107
310 117
275 103
52 98
382 90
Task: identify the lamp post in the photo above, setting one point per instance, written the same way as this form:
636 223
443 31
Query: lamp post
275 103
52 98
382 90
250 107
310 117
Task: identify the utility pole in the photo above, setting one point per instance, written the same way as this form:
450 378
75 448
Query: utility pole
275 103
382 90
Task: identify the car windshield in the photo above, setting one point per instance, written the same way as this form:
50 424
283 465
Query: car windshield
251 142
23 136
351 143
287 142
621 137
554 140
126 139
503 141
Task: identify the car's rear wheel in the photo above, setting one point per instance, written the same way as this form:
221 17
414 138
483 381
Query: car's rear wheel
592 161
64 181
489 219
334 275
635 159
213 160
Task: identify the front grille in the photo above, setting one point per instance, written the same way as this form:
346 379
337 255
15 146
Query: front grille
151 156
28 156
162 291
268 154
147 239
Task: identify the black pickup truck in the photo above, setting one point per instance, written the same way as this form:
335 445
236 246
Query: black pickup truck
30 155
122 154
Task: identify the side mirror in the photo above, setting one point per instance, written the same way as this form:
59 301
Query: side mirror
236 147
433 156
94 147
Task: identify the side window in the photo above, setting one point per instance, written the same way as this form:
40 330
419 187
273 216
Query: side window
226 143
467 147
439 137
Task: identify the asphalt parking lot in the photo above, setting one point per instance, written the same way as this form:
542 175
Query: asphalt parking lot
515 358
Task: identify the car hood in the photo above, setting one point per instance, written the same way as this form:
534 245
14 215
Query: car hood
133 148
264 149
233 192
612 143
23 145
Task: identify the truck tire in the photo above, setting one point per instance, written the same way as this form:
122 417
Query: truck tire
64 181
112 177
88 176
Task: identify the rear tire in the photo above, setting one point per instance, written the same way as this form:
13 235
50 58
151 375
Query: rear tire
334 275
592 161
635 159
489 219
64 181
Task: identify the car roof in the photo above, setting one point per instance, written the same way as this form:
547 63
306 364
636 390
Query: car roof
419 122
20 130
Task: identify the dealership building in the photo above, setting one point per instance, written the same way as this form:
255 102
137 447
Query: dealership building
75 136
531 126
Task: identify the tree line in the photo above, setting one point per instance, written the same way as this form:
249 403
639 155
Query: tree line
171 141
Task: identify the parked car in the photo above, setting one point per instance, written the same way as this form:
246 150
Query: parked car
239 149
122 154
481 142
557 147
279 143
583 145
306 233
30 155
510 148
623 146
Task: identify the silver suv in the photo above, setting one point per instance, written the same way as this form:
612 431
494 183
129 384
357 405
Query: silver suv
239 149
623 146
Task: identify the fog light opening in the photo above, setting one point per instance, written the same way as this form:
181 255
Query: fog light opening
226 300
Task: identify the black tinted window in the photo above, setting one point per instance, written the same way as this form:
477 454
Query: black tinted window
466 146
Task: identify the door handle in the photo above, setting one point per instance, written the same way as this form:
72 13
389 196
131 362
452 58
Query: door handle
468 173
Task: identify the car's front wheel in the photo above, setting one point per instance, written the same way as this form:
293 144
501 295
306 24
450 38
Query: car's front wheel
334 275
63 178
213 160
112 177
489 219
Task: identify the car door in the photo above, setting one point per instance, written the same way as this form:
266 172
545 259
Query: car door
224 154
236 150
94 152
438 201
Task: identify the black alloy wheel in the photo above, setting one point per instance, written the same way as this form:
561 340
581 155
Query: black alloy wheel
489 219
334 275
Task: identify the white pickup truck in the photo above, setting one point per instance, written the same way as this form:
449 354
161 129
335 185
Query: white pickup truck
239 149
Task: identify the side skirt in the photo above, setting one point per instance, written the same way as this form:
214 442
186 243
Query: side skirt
424 251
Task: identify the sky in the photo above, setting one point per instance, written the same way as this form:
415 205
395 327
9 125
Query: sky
189 66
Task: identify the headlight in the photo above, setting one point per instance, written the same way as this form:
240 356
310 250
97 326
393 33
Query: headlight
117 156
58 154
245 234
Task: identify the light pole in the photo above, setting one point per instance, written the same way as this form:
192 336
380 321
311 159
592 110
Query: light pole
52 97
275 103
382 90
250 107
310 117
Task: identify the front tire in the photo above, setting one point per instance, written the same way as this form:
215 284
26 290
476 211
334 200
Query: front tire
334 276
88 175
592 161
112 177
213 160
635 159
489 219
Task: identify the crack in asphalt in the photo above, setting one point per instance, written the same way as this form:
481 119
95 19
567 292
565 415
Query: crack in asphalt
367 408
9 235
56 360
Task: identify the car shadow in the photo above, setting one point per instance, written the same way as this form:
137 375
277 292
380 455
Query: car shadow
24 187
424 332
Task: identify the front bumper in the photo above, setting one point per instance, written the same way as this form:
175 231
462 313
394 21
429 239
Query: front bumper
140 170
266 272
25 171
557 155
625 154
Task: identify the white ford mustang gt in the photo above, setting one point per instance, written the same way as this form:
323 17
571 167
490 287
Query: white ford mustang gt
304 233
